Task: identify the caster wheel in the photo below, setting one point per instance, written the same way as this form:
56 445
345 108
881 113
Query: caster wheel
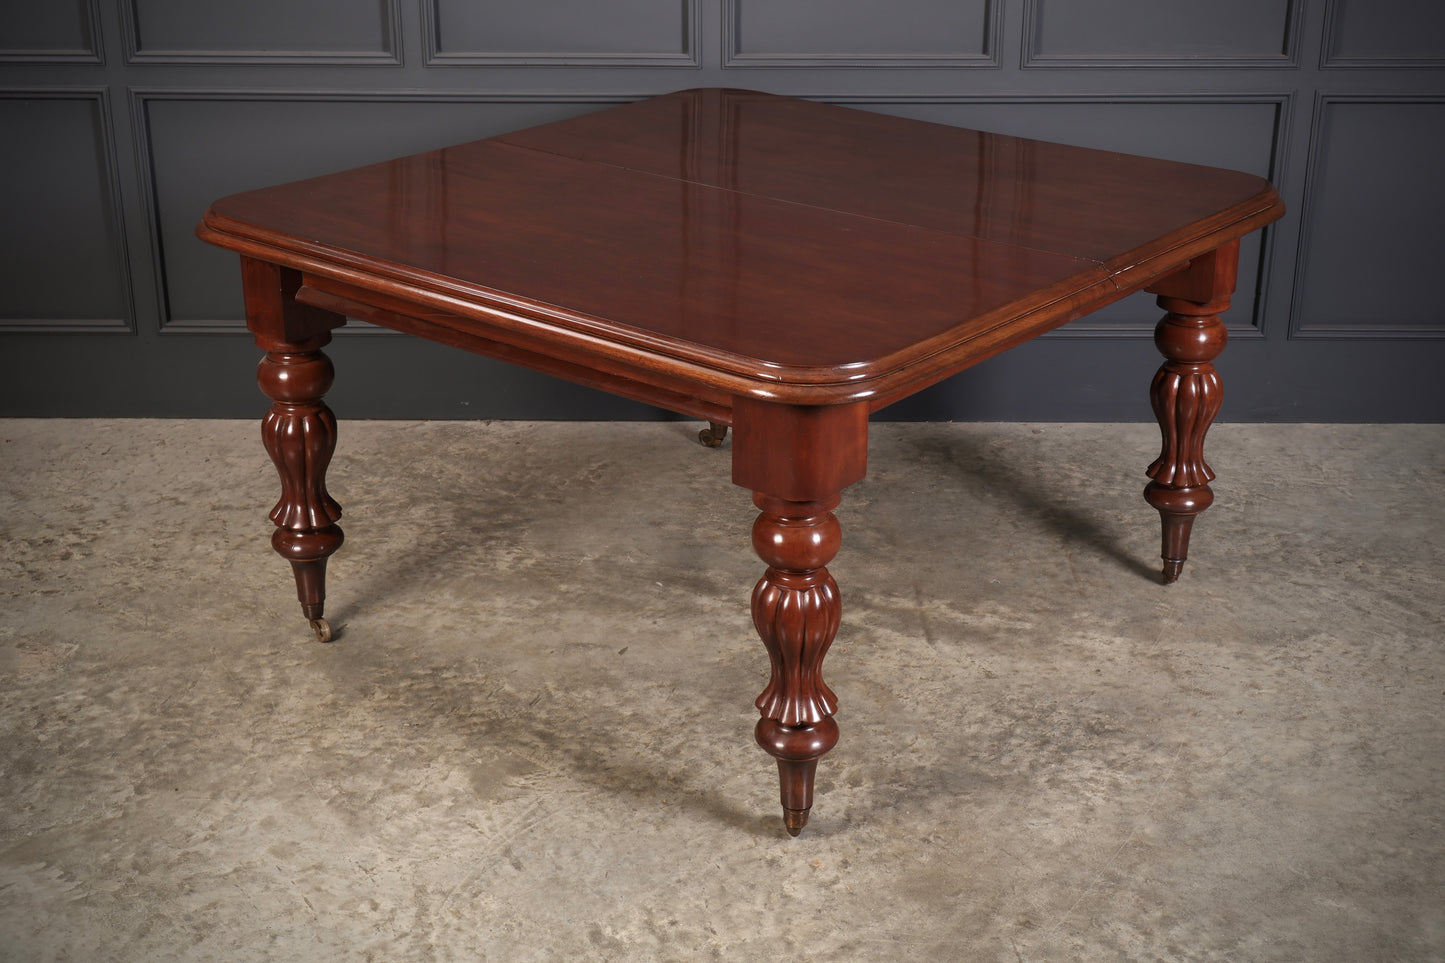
322 628
712 436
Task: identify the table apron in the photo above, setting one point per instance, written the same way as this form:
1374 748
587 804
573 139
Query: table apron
628 380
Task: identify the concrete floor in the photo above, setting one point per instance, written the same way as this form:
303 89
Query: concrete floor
532 739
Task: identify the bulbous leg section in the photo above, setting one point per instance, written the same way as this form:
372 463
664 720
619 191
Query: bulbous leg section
796 610
299 433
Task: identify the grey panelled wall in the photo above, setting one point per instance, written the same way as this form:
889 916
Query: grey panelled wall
121 119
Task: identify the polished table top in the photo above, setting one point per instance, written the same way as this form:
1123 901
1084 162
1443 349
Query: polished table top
765 245
780 266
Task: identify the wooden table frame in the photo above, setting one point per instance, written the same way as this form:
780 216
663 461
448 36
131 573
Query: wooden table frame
800 428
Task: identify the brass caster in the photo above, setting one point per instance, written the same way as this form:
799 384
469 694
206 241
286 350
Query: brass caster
713 435
322 628
794 820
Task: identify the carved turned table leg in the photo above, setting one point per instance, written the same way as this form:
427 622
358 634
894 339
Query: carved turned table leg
299 431
796 609
796 460
1186 394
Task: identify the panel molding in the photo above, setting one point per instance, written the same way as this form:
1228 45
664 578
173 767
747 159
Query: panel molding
142 97
1298 329
1334 22
389 55
1283 102
733 56
1033 56
94 54
689 56
111 181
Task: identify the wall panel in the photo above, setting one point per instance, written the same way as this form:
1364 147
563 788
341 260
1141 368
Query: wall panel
1374 231
1085 33
857 33
1384 33
62 249
56 31
562 32
262 31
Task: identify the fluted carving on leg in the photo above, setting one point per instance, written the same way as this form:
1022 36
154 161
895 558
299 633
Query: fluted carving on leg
299 433
1186 395
796 609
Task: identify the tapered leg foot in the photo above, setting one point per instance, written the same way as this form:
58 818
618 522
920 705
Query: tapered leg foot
797 749
794 820
1177 510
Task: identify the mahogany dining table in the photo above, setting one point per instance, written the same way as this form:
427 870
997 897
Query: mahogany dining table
779 266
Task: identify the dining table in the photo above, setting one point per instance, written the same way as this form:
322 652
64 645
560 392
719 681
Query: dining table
777 267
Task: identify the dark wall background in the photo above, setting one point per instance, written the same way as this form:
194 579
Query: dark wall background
120 120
